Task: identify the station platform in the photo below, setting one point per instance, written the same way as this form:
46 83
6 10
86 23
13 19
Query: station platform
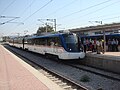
109 61
15 74
106 53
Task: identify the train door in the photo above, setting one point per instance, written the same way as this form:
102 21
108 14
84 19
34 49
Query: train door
54 45
57 45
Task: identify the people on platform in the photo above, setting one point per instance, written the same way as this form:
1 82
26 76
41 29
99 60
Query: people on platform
84 45
109 45
98 45
116 42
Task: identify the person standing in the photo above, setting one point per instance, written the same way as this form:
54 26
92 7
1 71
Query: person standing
113 45
95 46
116 42
102 46
98 46
109 45
85 45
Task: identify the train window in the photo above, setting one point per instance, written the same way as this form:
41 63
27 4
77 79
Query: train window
71 42
54 40
49 40
70 38
37 40
25 41
42 41
30 41
57 41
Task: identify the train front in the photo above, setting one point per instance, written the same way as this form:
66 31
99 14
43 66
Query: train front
72 46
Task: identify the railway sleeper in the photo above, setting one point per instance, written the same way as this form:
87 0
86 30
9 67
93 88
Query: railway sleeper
45 73
62 84
58 81
67 87
42 71
48 75
52 77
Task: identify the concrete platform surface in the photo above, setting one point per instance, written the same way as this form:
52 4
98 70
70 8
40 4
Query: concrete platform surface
109 61
106 55
112 53
15 74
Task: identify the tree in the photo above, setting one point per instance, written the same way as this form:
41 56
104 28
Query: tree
44 29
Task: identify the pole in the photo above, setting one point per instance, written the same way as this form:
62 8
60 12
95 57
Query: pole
55 24
104 41
46 27
104 38
53 20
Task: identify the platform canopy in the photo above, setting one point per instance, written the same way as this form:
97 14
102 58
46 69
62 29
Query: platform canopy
106 27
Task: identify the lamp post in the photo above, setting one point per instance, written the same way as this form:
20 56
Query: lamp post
104 37
53 20
46 27
44 23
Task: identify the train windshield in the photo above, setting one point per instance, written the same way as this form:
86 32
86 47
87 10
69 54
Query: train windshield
71 42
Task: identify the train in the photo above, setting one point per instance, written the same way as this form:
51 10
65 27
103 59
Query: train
64 46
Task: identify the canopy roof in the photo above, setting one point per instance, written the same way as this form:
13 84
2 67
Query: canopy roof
106 27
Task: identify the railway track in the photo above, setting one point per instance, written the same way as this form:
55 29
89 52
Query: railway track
59 79
68 83
97 71
103 73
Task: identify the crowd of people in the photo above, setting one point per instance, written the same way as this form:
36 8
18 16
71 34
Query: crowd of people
98 45
113 45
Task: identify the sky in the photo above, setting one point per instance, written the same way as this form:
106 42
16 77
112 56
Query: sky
21 16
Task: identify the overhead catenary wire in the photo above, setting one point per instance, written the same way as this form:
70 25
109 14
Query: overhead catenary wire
8 21
29 15
25 10
96 10
101 8
111 18
85 9
27 7
61 8
89 7
117 2
37 10
7 7
101 20
106 15
8 17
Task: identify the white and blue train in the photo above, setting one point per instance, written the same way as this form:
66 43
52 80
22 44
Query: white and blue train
63 45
